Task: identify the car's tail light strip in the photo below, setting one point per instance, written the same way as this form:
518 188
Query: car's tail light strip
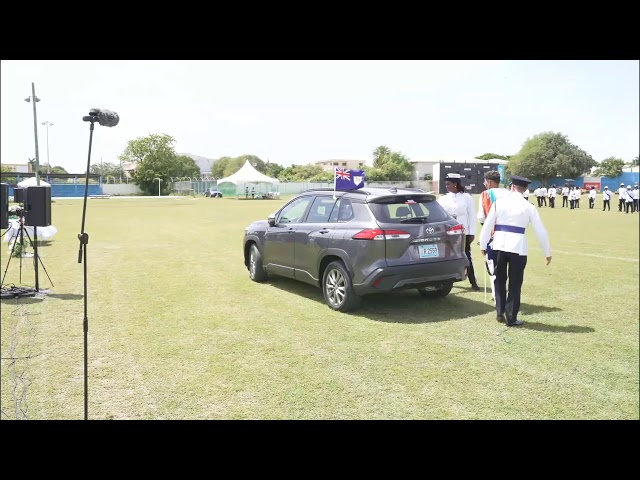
456 230
378 234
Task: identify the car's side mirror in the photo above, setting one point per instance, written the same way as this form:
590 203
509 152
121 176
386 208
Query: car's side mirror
271 220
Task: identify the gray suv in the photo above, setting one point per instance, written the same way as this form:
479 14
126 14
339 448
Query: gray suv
359 242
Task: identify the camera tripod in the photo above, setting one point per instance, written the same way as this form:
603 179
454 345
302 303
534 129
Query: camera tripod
19 237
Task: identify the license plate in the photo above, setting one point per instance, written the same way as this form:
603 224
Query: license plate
427 251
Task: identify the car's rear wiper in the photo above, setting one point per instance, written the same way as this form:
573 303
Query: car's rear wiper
422 219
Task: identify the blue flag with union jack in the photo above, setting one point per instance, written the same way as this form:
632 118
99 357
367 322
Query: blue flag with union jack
347 179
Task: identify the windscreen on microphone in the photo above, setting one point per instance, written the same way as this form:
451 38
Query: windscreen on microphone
106 118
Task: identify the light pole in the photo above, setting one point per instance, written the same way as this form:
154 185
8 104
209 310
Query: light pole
47 124
159 180
35 128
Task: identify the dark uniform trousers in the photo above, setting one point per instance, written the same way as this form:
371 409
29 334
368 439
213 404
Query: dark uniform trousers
565 201
471 274
607 205
511 265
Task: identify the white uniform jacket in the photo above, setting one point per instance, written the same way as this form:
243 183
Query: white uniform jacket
509 216
460 206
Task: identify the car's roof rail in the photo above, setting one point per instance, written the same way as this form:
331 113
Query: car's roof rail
367 191
323 189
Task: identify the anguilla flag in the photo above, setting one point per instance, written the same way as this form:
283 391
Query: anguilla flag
346 179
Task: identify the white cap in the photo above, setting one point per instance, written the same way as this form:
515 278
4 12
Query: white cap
452 176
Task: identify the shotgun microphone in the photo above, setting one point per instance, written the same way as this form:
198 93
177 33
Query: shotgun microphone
106 118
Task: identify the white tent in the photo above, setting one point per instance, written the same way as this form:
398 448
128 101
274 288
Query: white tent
248 174
31 182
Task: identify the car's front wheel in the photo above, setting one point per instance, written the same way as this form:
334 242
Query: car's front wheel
338 289
256 269
436 292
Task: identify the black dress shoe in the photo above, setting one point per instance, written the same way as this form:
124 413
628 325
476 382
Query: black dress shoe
501 318
475 287
517 323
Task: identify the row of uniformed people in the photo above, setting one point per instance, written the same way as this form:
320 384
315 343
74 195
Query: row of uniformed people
627 198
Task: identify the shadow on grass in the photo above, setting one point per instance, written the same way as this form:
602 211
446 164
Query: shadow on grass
408 306
66 296
543 327
37 298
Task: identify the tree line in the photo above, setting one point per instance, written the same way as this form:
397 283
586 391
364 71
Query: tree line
542 157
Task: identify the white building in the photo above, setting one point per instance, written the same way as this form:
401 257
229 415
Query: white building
330 165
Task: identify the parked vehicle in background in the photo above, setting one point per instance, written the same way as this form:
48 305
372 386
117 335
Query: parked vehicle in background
211 192
359 242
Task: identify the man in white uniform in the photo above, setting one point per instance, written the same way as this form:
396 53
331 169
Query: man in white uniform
606 198
552 192
592 197
508 218
622 194
565 195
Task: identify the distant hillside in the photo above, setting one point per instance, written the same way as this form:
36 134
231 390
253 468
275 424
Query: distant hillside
203 163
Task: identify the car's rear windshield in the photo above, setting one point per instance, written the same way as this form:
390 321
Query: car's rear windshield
402 209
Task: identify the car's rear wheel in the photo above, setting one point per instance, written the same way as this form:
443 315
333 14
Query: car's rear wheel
338 289
256 269
436 292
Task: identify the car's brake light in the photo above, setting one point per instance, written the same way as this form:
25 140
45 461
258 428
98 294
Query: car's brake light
378 234
456 230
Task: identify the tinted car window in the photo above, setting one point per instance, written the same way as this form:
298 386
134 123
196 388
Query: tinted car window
342 212
397 210
320 210
294 212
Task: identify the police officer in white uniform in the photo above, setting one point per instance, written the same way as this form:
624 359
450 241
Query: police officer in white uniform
508 217
606 198
622 193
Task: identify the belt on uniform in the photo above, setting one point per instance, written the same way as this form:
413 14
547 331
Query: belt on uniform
508 228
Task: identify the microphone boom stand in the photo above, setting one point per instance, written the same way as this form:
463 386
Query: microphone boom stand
82 256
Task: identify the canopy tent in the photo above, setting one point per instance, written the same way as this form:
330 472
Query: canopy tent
247 174
31 182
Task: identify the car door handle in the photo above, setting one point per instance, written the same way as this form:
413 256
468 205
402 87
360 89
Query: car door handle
324 231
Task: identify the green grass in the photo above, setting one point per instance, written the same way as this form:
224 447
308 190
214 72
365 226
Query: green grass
178 331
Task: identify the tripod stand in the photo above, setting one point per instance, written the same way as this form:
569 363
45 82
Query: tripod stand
19 235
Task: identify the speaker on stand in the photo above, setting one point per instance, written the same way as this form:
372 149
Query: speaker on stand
4 205
37 206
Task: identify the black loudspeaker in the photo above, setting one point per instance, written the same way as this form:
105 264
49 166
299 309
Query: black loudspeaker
4 205
18 195
37 206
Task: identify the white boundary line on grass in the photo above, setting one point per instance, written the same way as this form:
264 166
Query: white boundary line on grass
553 252
124 197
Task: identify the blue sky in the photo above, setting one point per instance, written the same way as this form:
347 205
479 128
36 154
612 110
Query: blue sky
296 112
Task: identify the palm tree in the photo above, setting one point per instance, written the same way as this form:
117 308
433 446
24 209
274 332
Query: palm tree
380 155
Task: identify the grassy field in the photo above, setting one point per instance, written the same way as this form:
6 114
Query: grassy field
178 331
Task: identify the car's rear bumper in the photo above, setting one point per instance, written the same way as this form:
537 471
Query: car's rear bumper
413 276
